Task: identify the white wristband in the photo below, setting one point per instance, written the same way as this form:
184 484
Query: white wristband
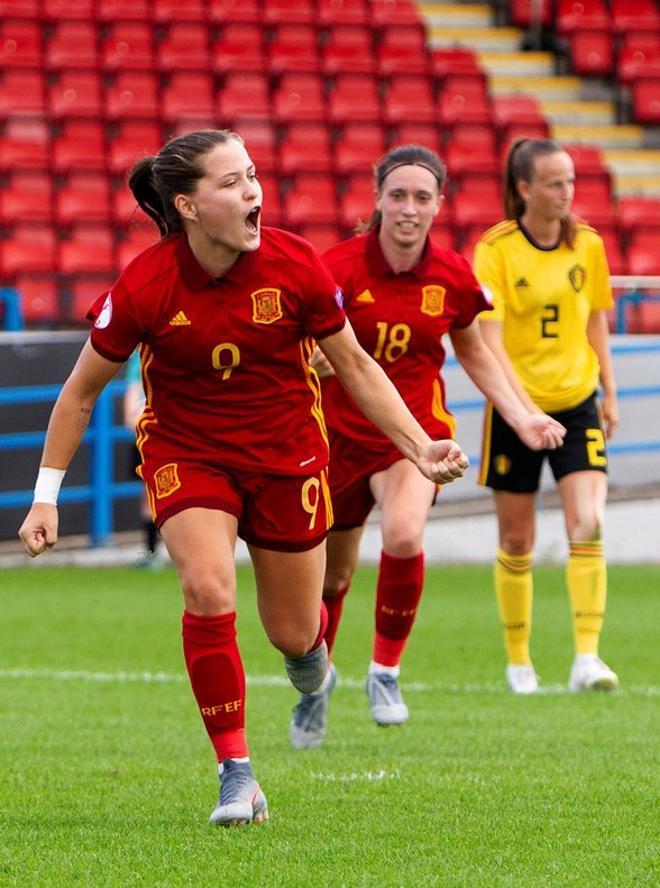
48 485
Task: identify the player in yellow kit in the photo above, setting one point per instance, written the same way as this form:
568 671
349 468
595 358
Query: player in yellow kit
548 275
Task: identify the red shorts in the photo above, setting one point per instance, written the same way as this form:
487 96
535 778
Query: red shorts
282 512
351 466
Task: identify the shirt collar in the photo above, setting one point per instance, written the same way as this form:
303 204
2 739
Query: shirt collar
380 266
195 277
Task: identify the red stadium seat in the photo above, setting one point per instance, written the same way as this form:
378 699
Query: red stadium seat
188 96
646 101
22 93
478 204
21 152
587 159
343 12
272 204
386 13
464 103
244 96
463 159
116 11
360 146
349 50
639 57
168 11
23 9
592 53
322 237
356 203
305 147
446 62
71 45
426 134
136 239
81 293
235 12
526 14
410 99
76 94
294 48
615 258
259 138
127 46
83 197
401 60
39 299
89 249
299 97
133 94
572 15
29 249
635 15
26 196
644 258
311 200
639 213
79 145
240 47
124 209
66 10
133 139
292 12
20 44
184 48
644 317
355 97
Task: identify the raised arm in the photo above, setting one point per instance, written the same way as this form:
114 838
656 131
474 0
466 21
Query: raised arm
488 366
66 427
378 399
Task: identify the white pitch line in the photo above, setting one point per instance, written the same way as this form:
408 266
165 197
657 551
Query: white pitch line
280 681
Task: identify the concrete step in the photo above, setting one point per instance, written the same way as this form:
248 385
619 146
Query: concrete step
457 15
546 89
637 186
518 64
624 136
479 39
595 113
634 163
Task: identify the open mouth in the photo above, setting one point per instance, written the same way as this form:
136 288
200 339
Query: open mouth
252 220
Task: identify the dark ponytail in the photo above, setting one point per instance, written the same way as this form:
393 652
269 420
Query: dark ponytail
404 155
156 180
520 166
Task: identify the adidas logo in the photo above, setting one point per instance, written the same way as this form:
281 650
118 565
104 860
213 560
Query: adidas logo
180 320
522 282
365 296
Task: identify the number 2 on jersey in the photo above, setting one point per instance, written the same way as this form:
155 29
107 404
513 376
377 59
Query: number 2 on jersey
392 341
596 447
550 316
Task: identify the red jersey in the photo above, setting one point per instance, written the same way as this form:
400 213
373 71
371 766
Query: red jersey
400 320
225 362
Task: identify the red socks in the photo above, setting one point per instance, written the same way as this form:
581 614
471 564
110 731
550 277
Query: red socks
217 679
334 605
400 584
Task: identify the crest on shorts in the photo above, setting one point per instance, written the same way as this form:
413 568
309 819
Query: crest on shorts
166 480
501 464
577 275
433 300
266 305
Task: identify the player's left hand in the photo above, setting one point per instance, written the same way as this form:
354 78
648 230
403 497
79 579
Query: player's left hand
443 462
610 411
541 432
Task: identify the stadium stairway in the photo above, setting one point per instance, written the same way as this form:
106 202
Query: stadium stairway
580 110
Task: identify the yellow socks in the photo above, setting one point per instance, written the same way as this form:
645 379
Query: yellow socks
513 586
586 578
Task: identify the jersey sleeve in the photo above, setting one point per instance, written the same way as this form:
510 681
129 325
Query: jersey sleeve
601 295
324 304
117 330
474 298
488 271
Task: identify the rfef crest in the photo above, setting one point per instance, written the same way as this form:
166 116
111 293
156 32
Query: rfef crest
433 300
266 305
166 479
577 276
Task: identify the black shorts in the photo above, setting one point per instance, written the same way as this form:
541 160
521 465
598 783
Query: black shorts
508 464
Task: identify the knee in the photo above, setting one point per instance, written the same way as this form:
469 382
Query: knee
292 641
517 542
587 528
402 541
206 593
336 580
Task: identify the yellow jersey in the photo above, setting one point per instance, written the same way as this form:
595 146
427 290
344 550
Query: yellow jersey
543 298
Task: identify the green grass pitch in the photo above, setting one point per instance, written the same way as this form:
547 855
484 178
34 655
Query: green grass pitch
107 777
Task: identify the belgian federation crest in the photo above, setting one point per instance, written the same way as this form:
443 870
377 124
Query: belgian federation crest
266 305
166 479
433 300
577 275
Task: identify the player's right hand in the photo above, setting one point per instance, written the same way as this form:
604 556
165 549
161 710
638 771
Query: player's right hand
39 530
